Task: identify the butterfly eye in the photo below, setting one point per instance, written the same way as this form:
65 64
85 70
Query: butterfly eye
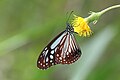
63 49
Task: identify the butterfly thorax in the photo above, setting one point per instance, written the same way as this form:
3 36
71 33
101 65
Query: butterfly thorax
69 28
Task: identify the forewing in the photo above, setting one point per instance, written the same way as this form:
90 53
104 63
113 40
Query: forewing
47 57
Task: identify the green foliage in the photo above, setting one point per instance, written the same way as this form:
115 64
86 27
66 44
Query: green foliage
26 26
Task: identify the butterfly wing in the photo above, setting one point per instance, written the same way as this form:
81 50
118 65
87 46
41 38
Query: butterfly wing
63 49
68 51
47 56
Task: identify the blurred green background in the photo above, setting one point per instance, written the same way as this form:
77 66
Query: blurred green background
26 27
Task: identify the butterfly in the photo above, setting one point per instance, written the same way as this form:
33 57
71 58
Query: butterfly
63 49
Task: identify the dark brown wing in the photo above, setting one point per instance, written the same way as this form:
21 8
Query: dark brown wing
63 49
68 51
47 56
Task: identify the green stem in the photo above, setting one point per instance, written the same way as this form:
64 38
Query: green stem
107 9
95 15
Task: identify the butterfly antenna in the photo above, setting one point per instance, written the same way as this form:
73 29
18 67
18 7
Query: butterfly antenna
69 17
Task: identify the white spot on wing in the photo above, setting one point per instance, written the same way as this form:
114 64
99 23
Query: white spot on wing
46 63
51 61
67 53
47 59
41 64
46 48
60 58
52 52
51 56
44 51
57 55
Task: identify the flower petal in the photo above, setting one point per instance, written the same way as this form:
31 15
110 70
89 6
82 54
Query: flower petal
80 26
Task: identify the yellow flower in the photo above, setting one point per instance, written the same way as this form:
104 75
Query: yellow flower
81 27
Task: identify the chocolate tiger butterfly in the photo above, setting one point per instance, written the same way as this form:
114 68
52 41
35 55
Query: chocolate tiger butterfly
63 49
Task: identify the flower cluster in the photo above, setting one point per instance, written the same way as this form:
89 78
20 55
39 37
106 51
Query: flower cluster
80 26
